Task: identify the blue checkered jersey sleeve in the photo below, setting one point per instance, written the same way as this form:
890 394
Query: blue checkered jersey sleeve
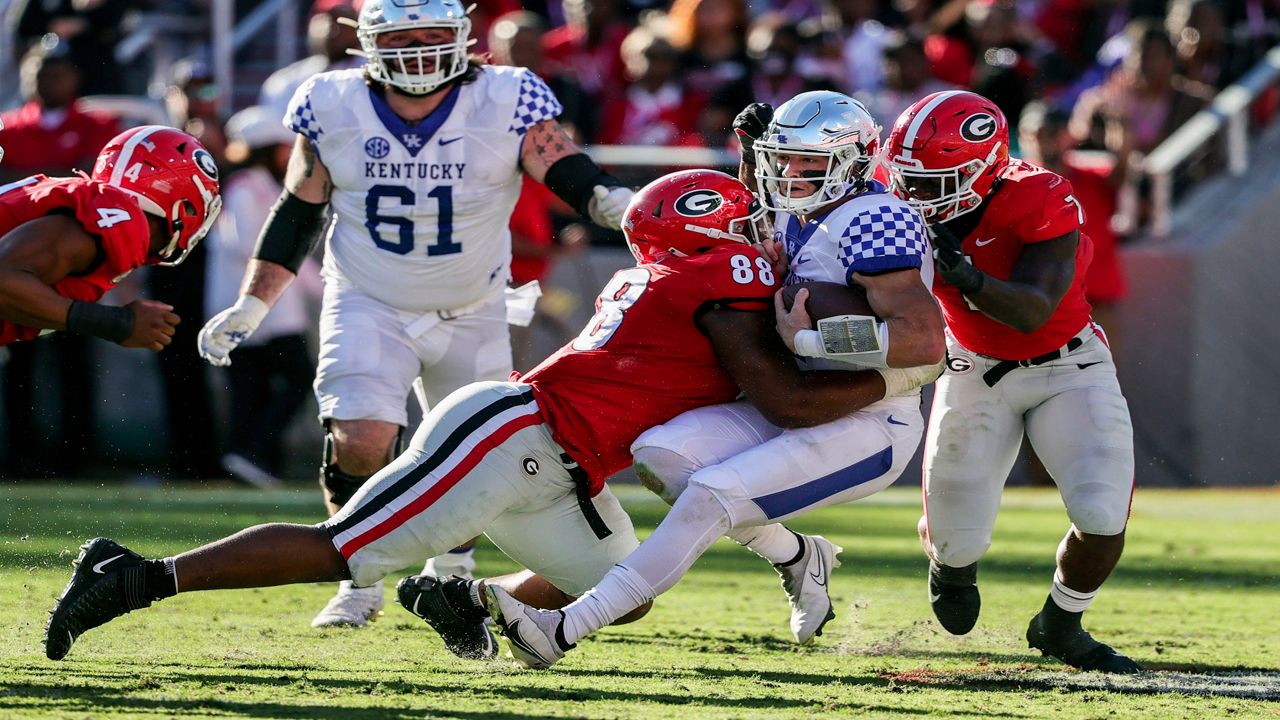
301 116
882 238
535 103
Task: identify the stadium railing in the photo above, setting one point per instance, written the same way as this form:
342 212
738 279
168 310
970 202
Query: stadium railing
1230 108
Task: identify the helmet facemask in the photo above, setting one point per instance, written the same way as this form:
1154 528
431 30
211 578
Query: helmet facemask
847 169
942 194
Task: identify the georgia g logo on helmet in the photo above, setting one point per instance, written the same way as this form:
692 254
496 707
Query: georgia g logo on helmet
978 127
697 203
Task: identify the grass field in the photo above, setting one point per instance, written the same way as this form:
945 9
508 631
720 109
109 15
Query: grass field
1196 598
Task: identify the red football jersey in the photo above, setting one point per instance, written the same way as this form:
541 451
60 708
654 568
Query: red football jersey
104 211
1032 205
642 360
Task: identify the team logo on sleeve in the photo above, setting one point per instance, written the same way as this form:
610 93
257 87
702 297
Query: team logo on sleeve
978 127
205 162
377 147
697 203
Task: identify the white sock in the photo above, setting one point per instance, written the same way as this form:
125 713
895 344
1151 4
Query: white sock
695 522
1068 599
619 592
773 542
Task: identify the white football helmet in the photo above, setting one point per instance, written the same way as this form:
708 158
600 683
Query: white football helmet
391 65
825 124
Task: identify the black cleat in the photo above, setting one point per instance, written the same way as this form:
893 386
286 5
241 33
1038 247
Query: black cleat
107 583
1074 646
954 597
468 638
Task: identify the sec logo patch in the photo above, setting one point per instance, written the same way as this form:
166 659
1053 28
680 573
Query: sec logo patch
377 147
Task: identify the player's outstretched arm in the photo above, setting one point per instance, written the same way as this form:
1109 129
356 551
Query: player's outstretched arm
753 354
549 156
902 301
286 239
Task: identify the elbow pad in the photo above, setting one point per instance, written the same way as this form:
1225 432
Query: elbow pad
573 177
290 231
858 339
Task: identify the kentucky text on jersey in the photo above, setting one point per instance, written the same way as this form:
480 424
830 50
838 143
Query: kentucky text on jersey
422 171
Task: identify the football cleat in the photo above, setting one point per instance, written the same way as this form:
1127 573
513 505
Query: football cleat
351 607
954 597
536 637
467 638
1074 646
805 581
107 583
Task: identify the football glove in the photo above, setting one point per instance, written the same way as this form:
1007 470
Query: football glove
749 125
225 331
609 205
950 261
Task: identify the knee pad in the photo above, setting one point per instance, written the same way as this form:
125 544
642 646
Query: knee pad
341 485
664 472
1097 510
958 555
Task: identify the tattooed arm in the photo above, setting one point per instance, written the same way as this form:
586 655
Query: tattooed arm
544 144
292 226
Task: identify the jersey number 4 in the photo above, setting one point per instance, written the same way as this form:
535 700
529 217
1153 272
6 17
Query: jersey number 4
404 231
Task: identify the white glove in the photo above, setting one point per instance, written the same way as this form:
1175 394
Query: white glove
226 330
608 206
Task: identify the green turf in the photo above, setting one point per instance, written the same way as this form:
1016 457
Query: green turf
1196 597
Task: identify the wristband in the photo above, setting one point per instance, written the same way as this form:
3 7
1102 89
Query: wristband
105 321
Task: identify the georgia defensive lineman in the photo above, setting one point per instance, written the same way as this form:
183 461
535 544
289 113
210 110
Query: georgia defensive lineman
64 242
525 462
1024 357
417 157
735 470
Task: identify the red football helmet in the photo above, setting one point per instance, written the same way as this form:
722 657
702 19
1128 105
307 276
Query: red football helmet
945 153
172 176
689 212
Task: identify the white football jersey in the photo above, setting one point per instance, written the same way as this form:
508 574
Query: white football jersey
421 212
872 233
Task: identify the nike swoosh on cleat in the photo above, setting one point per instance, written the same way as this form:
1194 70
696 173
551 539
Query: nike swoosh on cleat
934 598
98 568
513 634
415 610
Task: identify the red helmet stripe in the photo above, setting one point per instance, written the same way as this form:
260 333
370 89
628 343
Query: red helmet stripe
909 138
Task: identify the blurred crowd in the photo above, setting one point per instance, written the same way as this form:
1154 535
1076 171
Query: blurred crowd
1090 85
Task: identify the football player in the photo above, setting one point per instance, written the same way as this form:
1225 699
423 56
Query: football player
64 242
525 461
1024 357
414 164
736 470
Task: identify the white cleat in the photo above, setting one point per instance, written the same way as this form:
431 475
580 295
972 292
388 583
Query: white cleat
805 582
462 564
536 637
351 607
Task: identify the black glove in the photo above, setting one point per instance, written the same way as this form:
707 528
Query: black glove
750 125
950 261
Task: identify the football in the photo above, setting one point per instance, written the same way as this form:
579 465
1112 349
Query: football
828 299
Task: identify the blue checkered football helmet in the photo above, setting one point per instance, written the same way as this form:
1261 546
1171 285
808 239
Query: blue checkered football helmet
388 65
825 124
